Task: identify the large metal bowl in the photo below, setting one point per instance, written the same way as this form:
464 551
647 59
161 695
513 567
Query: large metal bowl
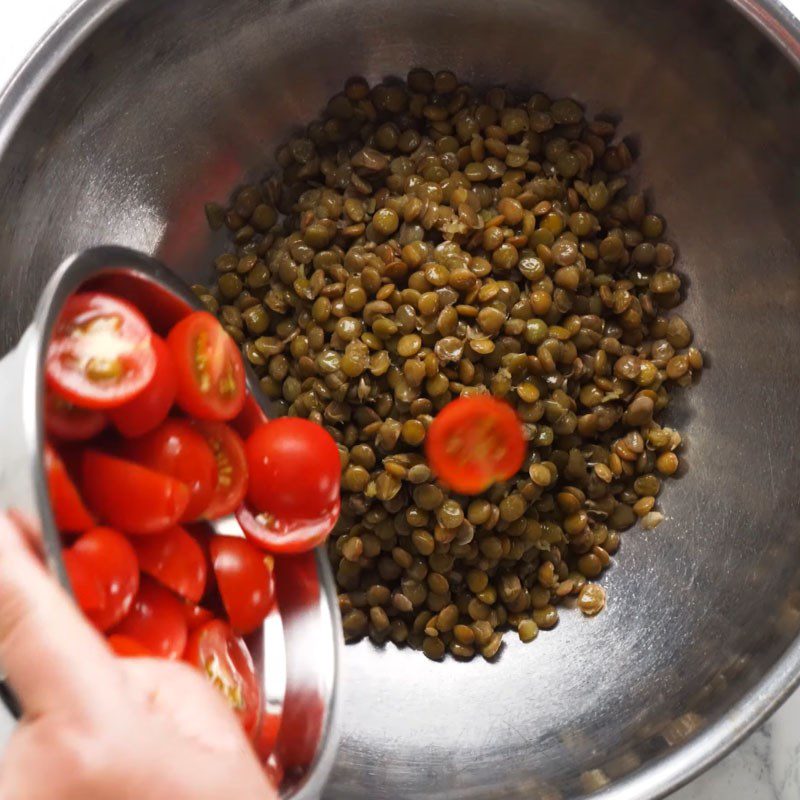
135 112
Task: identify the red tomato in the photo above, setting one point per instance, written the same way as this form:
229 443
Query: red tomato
209 368
71 515
131 497
294 485
156 621
245 581
228 449
149 408
225 660
474 442
274 770
196 616
68 422
267 734
175 560
100 353
111 558
125 647
176 449
86 585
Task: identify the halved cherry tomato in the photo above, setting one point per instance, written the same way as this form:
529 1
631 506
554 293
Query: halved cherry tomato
156 621
274 770
86 585
70 513
267 734
175 560
125 647
225 660
209 368
474 442
68 422
100 354
176 449
228 449
245 581
150 407
131 497
196 616
293 494
110 557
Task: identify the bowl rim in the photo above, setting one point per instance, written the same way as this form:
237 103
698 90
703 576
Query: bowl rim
674 769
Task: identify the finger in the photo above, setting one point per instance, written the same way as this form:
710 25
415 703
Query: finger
31 532
52 657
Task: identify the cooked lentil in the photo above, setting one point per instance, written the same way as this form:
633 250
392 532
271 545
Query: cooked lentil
419 243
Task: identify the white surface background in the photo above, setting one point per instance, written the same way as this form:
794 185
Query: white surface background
766 767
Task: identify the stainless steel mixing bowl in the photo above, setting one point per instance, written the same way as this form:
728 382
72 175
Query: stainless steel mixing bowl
133 113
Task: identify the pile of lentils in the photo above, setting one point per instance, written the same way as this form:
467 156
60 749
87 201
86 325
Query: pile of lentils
421 242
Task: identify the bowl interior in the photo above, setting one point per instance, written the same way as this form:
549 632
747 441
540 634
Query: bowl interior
162 107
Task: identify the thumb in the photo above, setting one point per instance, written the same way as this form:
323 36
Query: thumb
52 657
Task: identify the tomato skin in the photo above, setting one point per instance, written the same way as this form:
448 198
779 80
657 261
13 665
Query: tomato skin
156 621
130 497
474 442
68 422
231 485
86 585
245 581
110 557
69 510
266 736
176 449
295 476
213 386
225 660
149 408
125 647
175 560
90 324
196 616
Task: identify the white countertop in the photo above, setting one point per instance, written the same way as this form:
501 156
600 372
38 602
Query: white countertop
765 767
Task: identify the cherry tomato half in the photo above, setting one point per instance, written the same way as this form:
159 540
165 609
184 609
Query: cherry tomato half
156 621
68 422
125 647
175 560
474 442
131 497
267 734
176 449
228 450
293 494
100 353
71 515
111 558
196 616
86 585
245 581
209 368
225 660
150 407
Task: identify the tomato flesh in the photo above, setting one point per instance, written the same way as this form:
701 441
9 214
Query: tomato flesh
208 367
474 442
131 497
245 581
70 423
225 660
294 490
156 621
149 408
176 449
69 510
100 353
175 560
231 485
125 647
109 556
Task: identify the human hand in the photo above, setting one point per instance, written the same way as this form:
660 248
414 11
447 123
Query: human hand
98 727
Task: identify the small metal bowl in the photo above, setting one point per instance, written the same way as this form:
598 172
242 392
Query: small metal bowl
297 653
